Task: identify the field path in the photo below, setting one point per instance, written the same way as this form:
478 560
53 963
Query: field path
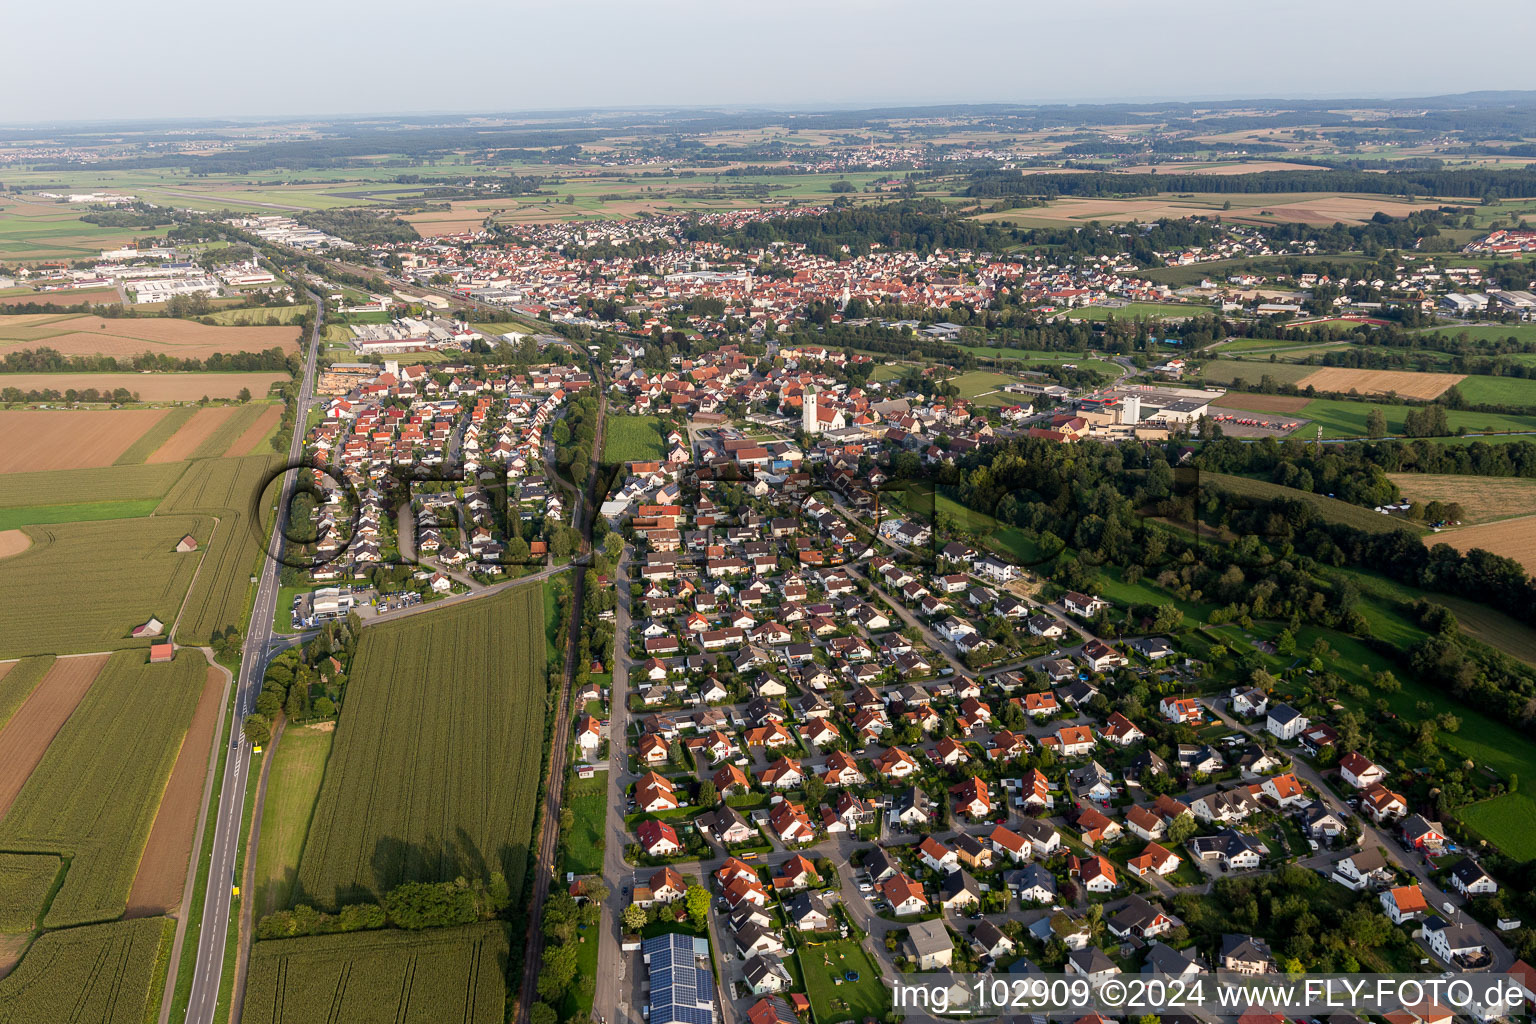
162 874
26 736
202 556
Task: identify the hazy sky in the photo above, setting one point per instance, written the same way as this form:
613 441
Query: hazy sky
97 59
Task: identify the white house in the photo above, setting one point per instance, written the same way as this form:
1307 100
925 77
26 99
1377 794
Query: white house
1285 722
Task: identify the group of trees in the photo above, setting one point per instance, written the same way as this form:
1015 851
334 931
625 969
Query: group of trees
1470 183
360 226
51 360
411 905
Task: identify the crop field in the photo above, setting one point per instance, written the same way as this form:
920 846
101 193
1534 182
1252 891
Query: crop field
90 583
162 873
436 763
54 231
126 337
298 765
103 974
1511 538
35 723
1263 403
259 316
181 445
1487 332
1508 822
85 486
1330 509
65 298
151 387
1256 208
98 787
259 430
227 490
1343 380
633 439
17 681
1482 498
383 977
150 441
230 430
12 519
1516 392
25 878
37 439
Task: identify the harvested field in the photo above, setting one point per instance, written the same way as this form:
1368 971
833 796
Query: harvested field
256 432
1343 380
218 442
26 736
156 436
1265 403
192 434
13 542
55 439
1482 499
1511 538
151 387
132 336
68 297
1258 208
162 873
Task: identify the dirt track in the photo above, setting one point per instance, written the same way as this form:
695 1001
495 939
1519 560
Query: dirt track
26 736
162 874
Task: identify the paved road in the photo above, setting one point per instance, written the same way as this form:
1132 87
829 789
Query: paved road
260 645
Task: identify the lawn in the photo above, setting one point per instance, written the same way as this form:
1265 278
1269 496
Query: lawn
1112 587
633 439
436 764
588 801
978 382
298 765
1516 392
1508 822
1139 309
832 997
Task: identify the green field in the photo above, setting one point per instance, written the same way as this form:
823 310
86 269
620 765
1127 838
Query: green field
436 764
84 486
1133 310
633 439
89 584
1517 392
95 793
91 511
384 977
1487 332
19 682
1331 509
1225 371
833 998
25 879
977 382
293 783
1508 822
226 490
104 974
1341 418
156 436
588 801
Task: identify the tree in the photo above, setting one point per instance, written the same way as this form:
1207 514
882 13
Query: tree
559 970
258 730
707 794
1180 829
1375 423
542 1013
697 901
634 917
244 395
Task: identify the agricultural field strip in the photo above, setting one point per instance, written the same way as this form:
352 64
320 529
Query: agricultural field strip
101 974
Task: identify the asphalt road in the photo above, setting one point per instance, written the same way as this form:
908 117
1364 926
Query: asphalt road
260 646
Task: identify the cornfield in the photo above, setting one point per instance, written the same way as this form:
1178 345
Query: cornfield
88 584
225 488
102 974
96 791
104 483
436 765
389 977
25 879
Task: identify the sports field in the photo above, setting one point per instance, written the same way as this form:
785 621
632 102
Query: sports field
96 791
1141 310
382 977
463 690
